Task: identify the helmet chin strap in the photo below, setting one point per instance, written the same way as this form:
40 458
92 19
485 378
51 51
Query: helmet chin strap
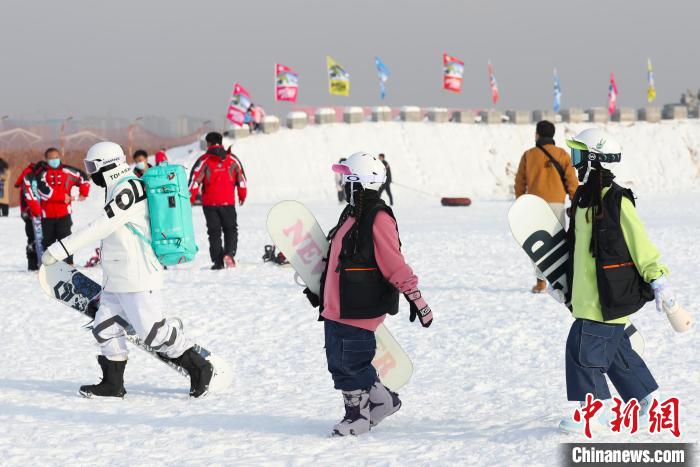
589 168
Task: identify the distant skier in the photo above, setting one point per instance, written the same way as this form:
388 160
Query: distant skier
546 171
613 271
387 185
132 278
219 176
53 199
5 177
141 162
24 184
364 275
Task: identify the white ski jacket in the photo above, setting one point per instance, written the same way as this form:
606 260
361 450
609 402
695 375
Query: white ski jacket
128 263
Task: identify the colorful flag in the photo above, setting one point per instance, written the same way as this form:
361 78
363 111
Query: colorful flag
651 88
338 78
286 84
494 84
452 73
238 105
557 92
384 73
612 95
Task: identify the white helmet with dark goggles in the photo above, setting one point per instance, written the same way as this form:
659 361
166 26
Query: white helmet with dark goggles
103 154
594 145
360 171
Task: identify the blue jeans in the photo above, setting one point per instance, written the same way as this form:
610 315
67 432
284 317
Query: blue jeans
349 352
595 349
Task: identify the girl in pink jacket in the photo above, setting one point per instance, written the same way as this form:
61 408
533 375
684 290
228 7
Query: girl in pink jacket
361 284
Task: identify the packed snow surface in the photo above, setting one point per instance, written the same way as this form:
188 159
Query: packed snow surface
488 386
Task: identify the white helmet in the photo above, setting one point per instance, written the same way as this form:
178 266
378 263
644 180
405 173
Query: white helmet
360 170
592 145
102 155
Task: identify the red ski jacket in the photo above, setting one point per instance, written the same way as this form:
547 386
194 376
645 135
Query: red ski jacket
219 175
21 184
52 196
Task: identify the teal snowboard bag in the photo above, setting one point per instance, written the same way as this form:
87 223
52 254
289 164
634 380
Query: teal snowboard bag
172 229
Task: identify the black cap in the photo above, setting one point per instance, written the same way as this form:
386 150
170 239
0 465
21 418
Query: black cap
214 137
545 129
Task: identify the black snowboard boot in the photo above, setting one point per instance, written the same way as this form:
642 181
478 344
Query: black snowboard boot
112 384
200 370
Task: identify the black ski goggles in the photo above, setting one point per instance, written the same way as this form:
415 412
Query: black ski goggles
580 156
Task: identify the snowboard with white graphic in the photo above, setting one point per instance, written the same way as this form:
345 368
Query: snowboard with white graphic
67 285
540 234
295 231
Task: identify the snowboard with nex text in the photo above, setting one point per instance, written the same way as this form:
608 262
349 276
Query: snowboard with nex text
540 234
65 284
295 231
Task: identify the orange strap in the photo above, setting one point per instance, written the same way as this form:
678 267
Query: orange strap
360 269
621 265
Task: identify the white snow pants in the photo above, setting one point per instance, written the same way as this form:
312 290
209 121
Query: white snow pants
143 311
560 212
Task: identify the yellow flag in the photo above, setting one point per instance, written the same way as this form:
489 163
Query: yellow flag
651 89
338 78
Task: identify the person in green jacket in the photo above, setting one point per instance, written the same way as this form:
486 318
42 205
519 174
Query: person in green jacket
614 270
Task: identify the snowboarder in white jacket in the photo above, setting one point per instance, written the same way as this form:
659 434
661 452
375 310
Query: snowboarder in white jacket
132 278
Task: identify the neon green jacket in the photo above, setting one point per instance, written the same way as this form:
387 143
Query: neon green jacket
584 299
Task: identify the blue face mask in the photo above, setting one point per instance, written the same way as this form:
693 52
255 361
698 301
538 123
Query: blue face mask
54 163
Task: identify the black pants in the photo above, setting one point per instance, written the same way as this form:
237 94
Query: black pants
4 210
55 229
221 218
387 187
32 260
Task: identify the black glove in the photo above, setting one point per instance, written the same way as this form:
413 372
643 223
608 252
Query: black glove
419 308
312 297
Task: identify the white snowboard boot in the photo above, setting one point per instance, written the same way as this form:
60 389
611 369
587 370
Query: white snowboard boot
598 423
356 420
382 403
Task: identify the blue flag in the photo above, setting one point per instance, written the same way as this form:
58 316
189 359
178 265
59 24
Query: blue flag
384 73
557 92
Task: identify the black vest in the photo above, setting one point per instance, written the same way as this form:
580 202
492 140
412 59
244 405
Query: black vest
621 289
364 293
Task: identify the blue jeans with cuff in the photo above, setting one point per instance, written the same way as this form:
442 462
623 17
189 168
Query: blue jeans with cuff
349 352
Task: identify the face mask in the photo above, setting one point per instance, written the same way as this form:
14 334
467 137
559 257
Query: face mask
98 179
141 165
54 163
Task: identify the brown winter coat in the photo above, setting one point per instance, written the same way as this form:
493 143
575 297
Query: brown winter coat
5 185
538 176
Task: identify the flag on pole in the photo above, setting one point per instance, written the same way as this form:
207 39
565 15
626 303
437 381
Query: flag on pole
612 95
238 105
286 84
651 88
493 83
384 73
452 73
338 78
557 92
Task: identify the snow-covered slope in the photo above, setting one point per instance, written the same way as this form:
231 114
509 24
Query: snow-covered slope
451 159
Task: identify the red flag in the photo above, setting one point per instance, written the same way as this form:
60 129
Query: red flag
452 72
238 105
286 84
612 95
494 85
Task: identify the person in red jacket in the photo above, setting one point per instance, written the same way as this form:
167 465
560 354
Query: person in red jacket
218 174
23 183
54 182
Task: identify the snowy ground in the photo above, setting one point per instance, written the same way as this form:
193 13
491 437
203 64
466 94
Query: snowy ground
488 386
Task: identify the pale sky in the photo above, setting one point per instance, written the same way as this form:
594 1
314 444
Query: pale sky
171 57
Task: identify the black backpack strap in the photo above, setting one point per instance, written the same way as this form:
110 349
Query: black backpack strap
556 164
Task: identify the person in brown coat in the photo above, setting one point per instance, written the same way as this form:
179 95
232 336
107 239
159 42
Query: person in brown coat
546 171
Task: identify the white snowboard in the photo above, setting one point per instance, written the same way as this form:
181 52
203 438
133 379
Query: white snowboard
540 234
295 231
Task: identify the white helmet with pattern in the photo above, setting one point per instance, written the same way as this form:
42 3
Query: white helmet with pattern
360 171
103 154
592 145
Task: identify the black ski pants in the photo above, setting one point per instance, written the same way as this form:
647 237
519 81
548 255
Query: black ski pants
387 187
221 219
32 260
55 229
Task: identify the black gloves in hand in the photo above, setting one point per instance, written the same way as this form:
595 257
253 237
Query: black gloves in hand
312 297
419 308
